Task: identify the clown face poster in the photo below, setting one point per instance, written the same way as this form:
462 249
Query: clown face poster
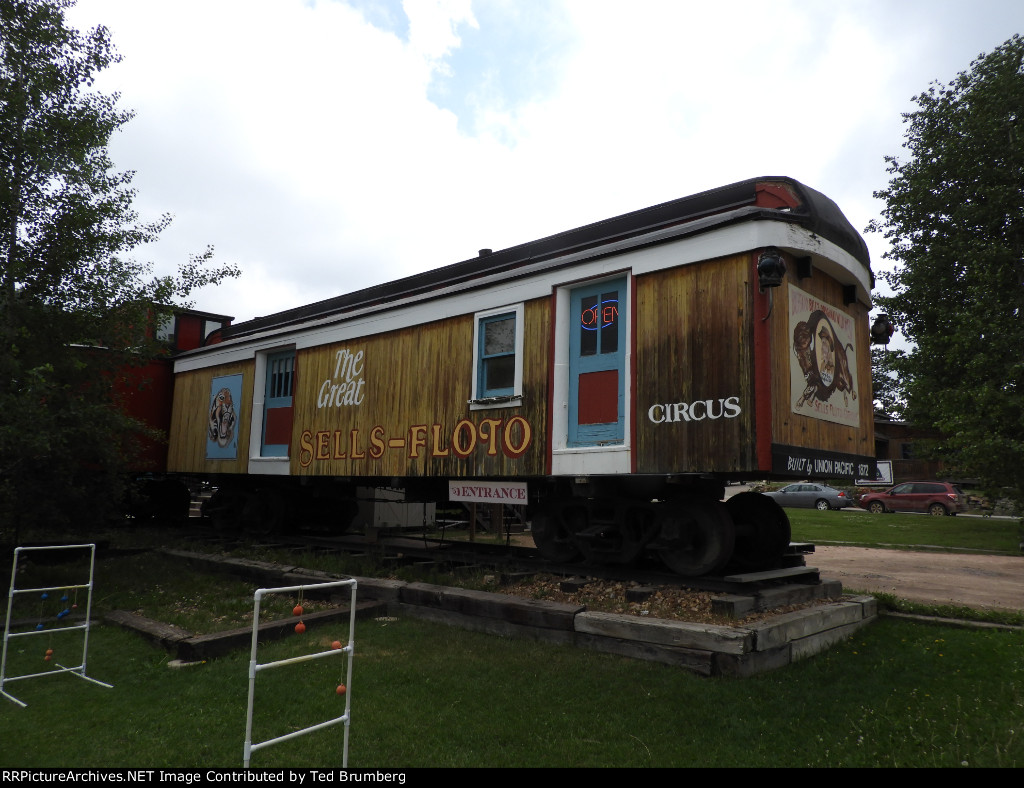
823 360
222 422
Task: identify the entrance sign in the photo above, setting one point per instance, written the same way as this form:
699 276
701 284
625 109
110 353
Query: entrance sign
488 492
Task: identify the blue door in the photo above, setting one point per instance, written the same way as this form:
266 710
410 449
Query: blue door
597 364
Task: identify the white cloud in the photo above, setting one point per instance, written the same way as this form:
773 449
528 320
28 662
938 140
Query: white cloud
326 146
433 23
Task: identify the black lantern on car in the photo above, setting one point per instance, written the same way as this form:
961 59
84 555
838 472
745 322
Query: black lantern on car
771 268
882 330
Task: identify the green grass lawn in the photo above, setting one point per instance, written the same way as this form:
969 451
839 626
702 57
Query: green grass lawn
899 693
906 531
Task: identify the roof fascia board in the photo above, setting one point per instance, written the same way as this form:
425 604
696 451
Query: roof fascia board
651 253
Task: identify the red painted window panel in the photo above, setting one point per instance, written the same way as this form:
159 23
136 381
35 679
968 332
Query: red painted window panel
278 427
599 397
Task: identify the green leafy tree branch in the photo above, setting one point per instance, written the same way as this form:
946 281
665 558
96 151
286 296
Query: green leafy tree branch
954 218
76 308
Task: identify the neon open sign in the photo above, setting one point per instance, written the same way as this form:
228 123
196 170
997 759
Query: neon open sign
600 315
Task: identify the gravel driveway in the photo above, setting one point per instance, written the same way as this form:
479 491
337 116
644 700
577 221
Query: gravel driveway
978 581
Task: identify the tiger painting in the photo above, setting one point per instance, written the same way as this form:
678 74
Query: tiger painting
222 418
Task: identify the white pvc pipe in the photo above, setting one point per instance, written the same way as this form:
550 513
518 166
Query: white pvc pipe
8 635
255 667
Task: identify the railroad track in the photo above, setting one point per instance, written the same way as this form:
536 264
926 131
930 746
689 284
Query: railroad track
455 555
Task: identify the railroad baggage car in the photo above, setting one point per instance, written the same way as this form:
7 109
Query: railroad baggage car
613 378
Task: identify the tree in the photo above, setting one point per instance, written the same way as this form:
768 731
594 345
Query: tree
954 216
888 392
67 280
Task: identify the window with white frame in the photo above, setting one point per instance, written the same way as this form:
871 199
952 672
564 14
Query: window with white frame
277 404
498 357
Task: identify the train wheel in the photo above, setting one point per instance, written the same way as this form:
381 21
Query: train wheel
696 536
552 535
762 531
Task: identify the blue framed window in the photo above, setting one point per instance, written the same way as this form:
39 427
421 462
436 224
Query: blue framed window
497 338
497 357
277 405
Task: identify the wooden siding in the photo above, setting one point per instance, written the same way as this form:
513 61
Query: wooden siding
793 428
694 357
190 419
396 404
402 409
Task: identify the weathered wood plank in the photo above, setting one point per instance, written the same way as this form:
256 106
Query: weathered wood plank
733 605
818 642
165 635
532 612
804 623
769 598
709 637
751 663
695 660
868 604
739 605
491 626
256 570
808 573
380 589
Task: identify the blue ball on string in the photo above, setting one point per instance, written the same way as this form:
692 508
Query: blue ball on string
39 627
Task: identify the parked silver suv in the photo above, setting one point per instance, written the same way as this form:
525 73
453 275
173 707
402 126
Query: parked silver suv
935 498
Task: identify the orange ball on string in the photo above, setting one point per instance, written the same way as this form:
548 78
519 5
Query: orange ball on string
300 628
336 644
341 689
297 610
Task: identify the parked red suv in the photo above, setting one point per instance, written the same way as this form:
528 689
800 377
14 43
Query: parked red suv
937 498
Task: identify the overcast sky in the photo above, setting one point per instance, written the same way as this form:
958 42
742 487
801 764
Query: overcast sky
328 145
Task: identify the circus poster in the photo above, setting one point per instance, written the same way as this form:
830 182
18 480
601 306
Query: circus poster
823 360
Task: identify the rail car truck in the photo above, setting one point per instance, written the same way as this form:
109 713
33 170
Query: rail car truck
613 378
